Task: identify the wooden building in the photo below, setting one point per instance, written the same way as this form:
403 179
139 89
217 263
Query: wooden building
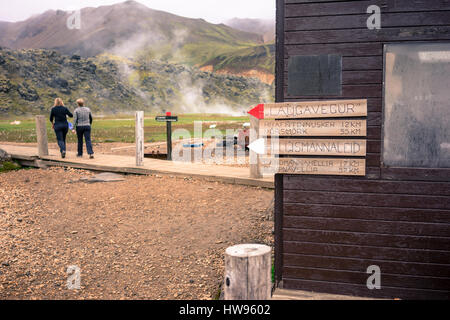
330 229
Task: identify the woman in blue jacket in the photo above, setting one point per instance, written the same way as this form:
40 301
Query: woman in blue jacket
58 118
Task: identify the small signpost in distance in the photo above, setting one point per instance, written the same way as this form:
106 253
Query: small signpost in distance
168 119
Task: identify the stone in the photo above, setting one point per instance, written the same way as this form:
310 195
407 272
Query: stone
104 177
5 85
27 93
4 156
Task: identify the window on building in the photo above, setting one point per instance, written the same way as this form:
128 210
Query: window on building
416 126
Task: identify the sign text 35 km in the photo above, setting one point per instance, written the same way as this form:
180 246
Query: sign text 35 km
313 128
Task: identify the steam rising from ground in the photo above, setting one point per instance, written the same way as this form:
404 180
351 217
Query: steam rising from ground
191 97
194 102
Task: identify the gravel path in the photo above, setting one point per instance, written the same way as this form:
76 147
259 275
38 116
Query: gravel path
143 238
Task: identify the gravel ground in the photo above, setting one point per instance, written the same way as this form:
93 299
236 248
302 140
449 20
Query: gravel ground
144 238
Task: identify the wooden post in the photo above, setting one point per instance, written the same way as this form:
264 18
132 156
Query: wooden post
41 134
248 272
169 140
255 169
139 138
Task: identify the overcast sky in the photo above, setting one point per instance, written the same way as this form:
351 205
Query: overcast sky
215 11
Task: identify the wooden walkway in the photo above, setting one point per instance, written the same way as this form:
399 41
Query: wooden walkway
284 294
124 164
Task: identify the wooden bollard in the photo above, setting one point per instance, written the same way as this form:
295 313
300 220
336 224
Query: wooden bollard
41 134
248 272
255 164
139 138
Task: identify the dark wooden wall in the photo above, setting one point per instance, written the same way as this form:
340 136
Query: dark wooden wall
330 229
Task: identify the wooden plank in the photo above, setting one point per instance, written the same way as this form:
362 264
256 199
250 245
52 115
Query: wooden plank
367 226
299 128
374 105
381 186
366 35
316 109
369 199
360 64
416 174
392 267
360 77
367 212
286 295
280 51
352 77
139 137
344 49
320 147
278 228
335 8
315 166
373 160
360 277
367 252
352 91
367 239
372 173
254 157
404 19
374 133
41 135
361 290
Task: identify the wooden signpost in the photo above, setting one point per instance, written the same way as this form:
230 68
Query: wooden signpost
321 147
168 119
41 134
311 130
139 134
316 166
311 110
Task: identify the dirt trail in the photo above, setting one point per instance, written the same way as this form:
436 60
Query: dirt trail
144 238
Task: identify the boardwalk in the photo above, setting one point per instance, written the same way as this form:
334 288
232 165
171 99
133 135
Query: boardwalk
125 164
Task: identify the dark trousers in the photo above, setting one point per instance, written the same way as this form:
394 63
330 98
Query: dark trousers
86 132
61 133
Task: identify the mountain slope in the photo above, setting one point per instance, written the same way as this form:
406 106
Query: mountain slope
265 28
255 61
31 79
123 29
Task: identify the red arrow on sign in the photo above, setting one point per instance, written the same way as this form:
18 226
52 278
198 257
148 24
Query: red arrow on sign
258 111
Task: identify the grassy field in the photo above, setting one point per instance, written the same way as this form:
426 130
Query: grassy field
120 128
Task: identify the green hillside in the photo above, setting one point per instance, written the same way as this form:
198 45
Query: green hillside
31 79
261 58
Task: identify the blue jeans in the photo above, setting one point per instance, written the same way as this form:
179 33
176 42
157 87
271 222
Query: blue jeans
86 132
61 133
